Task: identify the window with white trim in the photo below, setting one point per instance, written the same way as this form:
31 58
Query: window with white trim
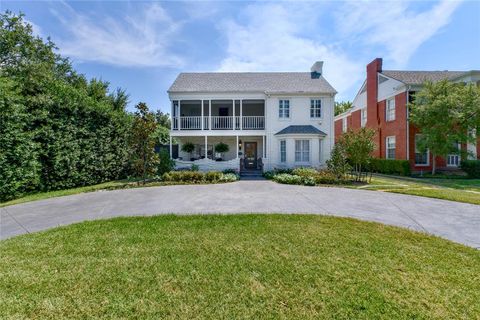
363 117
284 109
302 150
315 108
421 158
390 110
344 124
390 147
453 159
283 151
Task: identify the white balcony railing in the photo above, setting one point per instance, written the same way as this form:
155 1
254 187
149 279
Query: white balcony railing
218 123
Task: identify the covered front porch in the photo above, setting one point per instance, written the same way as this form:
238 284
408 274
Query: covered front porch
218 114
244 152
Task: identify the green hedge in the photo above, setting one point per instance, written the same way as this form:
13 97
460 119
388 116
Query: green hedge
471 167
198 177
399 167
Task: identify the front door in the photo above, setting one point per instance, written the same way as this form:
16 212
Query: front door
250 155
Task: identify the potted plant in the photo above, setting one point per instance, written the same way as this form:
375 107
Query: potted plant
188 147
221 148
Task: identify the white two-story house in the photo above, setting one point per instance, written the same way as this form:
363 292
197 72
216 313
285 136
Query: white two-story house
268 119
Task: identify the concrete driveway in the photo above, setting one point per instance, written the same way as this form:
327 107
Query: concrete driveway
456 221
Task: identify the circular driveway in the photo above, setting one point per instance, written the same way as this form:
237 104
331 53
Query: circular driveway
456 221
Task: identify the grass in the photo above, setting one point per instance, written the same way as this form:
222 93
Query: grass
455 189
111 185
237 267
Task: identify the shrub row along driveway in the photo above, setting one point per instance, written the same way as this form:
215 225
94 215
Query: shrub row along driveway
456 221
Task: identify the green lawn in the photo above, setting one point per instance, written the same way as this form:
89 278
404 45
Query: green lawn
234 267
463 190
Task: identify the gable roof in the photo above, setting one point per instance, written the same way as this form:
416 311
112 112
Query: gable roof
301 129
265 82
419 77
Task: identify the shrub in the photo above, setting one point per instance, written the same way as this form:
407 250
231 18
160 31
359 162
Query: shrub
194 167
270 174
230 171
213 176
305 172
327 177
387 166
228 177
471 167
166 164
288 178
198 177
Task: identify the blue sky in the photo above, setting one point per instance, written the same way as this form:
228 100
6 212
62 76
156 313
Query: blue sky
142 46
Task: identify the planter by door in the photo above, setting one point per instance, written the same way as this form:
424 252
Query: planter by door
250 155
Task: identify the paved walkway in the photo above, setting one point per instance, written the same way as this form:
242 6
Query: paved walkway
456 221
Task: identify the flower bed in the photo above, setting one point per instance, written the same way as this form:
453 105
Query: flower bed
305 176
199 177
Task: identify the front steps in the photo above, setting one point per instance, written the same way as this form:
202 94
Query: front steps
250 174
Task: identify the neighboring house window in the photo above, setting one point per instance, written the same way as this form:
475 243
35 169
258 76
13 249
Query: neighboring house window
390 109
283 151
421 158
390 147
284 108
363 115
453 160
344 124
315 108
302 150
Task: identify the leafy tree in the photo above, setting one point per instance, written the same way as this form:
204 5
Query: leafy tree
445 113
338 162
341 107
58 129
120 99
165 163
163 119
144 159
358 146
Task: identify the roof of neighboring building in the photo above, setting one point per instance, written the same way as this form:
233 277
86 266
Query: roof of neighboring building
298 129
419 77
269 82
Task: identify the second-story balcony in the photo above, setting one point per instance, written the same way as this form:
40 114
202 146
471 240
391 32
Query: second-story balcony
218 115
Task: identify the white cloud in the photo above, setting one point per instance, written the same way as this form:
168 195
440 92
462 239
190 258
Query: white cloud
267 37
390 24
141 40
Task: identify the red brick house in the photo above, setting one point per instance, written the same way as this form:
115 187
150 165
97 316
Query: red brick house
382 104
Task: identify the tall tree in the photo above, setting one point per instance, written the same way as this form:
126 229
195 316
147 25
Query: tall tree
341 107
144 159
358 145
445 113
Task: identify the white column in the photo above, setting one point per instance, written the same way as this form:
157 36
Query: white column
179 115
233 116
201 118
237 148
241 115
263 147
209 114
171 155
206 148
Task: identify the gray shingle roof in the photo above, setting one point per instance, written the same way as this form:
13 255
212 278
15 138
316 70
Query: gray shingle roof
297 129
270 82
419 77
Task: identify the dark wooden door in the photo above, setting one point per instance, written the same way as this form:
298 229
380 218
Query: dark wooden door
250 155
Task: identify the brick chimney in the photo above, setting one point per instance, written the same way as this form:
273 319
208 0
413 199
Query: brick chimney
372 91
